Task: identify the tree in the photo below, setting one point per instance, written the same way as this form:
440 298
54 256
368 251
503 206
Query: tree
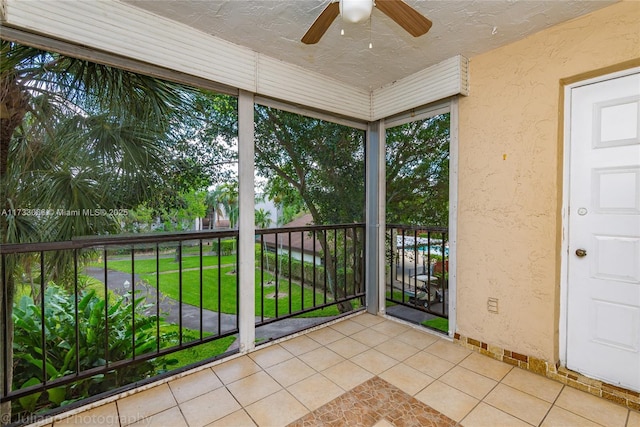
223 200
190 206
262 218
320 163
229 200
77 135
417 163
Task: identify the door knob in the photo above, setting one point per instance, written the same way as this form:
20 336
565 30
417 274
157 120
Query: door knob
581 253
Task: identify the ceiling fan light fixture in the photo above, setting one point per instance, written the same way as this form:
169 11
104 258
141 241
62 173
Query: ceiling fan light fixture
355 10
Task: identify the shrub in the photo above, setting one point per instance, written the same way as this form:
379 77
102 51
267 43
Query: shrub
298 267
60 343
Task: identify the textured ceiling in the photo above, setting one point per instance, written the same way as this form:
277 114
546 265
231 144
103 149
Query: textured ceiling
274 28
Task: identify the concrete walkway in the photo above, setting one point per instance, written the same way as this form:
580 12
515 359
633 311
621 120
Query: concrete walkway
191 315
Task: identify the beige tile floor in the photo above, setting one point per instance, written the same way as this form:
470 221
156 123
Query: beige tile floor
279 384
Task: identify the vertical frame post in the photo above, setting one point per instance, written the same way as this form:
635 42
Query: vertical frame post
375 223
246 222
453 216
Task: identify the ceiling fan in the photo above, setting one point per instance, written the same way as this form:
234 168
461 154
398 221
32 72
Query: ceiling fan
359 10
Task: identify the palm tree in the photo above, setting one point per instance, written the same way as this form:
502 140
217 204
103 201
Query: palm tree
74 135
214 206
229 201
262 218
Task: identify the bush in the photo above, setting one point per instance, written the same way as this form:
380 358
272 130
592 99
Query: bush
227 247
60 339
297 270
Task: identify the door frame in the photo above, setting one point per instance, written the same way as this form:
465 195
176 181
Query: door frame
567 85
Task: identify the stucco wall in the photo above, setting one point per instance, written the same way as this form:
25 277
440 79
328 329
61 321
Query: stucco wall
511 176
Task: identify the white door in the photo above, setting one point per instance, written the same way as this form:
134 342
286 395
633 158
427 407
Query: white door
603 288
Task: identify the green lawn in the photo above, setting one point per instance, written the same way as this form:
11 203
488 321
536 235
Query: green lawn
170 286
397 296
437 323
143 266
193 354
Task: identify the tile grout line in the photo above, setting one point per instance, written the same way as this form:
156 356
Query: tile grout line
178 403
233 395
479 400
553 404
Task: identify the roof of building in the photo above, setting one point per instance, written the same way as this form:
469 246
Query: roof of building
299 240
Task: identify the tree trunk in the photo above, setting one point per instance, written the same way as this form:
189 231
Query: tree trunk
330 272
14 104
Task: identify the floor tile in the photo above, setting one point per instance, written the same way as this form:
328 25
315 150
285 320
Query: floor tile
374 361
194 385
417 338
347 374
276 410
397 349
253 388
391 328
300 345
290 371
105 415
429 364
145 403
209 407
236 419
469 382
451 402
348 327
558 417
330 374
536 385
171 417
484 365
270 356
368 319
370 337
485 415
325 335
321 358
407 379
446 350
236 369
315 391
347 347
592 407
520 405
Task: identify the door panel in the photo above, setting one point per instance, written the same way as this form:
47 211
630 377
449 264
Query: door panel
603 293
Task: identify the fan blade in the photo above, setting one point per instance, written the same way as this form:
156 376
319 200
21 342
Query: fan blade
321 24
405 16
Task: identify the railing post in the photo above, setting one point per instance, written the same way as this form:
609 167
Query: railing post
246 222
375 217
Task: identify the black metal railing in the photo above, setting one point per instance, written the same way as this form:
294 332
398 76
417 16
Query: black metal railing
309 271
92 316
95 314
417 268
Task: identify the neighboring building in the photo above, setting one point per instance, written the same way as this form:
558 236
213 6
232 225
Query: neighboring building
301 245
